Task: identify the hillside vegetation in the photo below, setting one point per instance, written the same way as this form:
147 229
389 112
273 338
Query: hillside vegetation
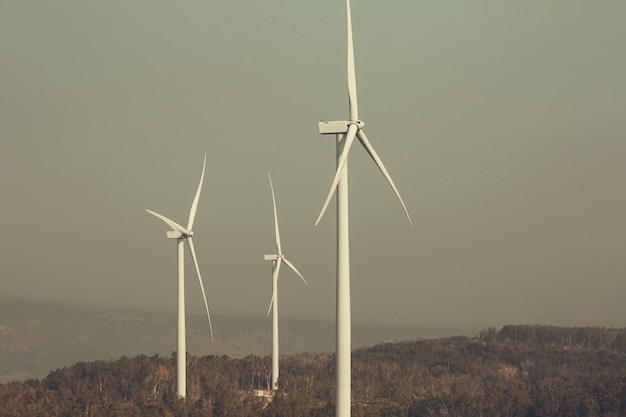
523 371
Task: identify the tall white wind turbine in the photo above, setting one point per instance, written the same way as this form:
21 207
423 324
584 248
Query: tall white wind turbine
346 131
277 259
182 234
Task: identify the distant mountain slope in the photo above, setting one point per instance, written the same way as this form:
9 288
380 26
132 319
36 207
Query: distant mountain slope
38 336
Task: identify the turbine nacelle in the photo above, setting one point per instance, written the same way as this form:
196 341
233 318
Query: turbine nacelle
172 234
338 126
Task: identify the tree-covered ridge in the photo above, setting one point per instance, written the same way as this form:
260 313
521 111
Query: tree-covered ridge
586 337
524 371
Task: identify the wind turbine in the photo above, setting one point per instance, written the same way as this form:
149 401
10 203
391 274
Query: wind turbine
277 259
346 131
181 234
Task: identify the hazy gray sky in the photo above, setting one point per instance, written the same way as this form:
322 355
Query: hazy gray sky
502 123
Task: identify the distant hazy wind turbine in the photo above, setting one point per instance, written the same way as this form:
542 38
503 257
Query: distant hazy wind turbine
346 131
277 259
182 234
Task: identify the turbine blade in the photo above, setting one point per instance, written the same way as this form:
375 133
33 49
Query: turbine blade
341 163
195 262
368 147
354 111
194 205
276 231
290 265
274 283
277 269
269 310
177 227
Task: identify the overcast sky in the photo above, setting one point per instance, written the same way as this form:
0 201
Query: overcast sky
502 123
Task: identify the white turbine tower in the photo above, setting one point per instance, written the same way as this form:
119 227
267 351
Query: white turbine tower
181 234
277 259
346 131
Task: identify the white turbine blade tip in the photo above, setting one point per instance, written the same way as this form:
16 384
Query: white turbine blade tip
294 269
341 167
329 197
269 310
379 163
276 229
195 262
194 205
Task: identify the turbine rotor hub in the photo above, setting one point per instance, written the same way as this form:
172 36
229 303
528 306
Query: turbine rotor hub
358 123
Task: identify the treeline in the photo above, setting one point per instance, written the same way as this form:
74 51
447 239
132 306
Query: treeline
585 337
524 371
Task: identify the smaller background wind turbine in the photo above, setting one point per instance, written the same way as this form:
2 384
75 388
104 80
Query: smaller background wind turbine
277 259
182 234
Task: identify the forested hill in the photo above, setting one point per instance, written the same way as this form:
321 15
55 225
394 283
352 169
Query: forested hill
524 371
585 337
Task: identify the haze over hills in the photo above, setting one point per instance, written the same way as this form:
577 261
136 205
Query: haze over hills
39 336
